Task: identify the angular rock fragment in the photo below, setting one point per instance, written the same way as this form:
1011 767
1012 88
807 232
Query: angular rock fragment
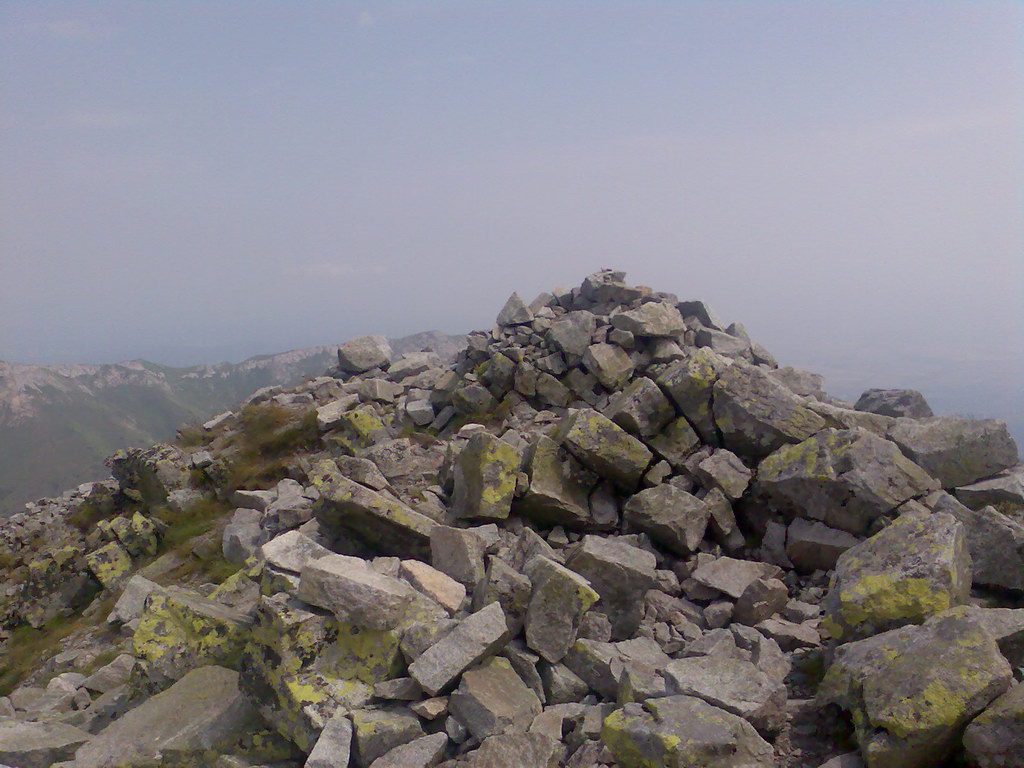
458 552
559 599
672 517
347 507
515 312
690 385
436 585
956 451
604 447
911 570
620 573
912 690
641 408
377 732
813 546
652 319
572 332
506 586
334 747
609 364
485 478
559 489
684 732
476 638
843 478
423 752
493 699
995 738
675 443
734 685
1005 488
363 353
38 744
894 402
731 576
756 415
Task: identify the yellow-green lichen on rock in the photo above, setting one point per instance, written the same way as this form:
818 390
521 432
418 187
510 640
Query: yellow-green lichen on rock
911 691
605 447
110 564
137 534
181 630
909 571
682 732
485 478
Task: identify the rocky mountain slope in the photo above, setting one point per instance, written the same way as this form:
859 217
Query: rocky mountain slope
59 422
613 533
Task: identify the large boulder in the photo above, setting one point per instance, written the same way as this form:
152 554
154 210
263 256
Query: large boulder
492 699
605 447
756 415
995 738
913 569
735 685
559 490
476 638
180 630
1005 488
203 714
844 478
956 451
894 402
653 319
38 745
379 519
911 691
485 478
364 353
621 574
559 599
609 363
672 517
995 541
690 385
641 408
571 333
683 732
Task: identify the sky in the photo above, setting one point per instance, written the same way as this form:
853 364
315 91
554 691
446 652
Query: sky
194 181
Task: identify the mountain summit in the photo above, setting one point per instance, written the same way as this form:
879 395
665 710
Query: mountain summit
614 532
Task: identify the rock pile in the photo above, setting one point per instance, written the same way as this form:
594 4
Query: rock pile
614 533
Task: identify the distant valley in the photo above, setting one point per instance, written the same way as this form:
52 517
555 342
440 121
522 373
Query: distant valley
59 422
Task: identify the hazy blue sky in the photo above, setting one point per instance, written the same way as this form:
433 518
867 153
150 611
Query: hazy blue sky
190 181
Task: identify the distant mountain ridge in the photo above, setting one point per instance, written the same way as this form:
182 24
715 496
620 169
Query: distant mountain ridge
58 422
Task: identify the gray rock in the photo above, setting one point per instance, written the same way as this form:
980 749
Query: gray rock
724 470
601 664
562 685
424 752
475 638
683 731
764 653
112 675
334 747
493 699
130 604
485 478
672 517
731 576
420 411
458 552
559 489
345 507
995 738
675 443
506 586
377 732
1005 488
894 402
995 541
813 546
733 685
363 353
912 690
956 451
438 586
756 415
911 570
38 745
571 333
291 551
514 750
799 382
609 364
761 600
641 408
844 478
788 634
203 712
329 416
515 312
241 540
690 385
604 447
363 471
653 319
620 573
356 593
559 599
702 312
1006 626
724 344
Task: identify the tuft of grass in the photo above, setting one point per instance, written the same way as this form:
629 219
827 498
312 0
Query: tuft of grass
268 438
28 648
198 518
85 516
192 436
1010 509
